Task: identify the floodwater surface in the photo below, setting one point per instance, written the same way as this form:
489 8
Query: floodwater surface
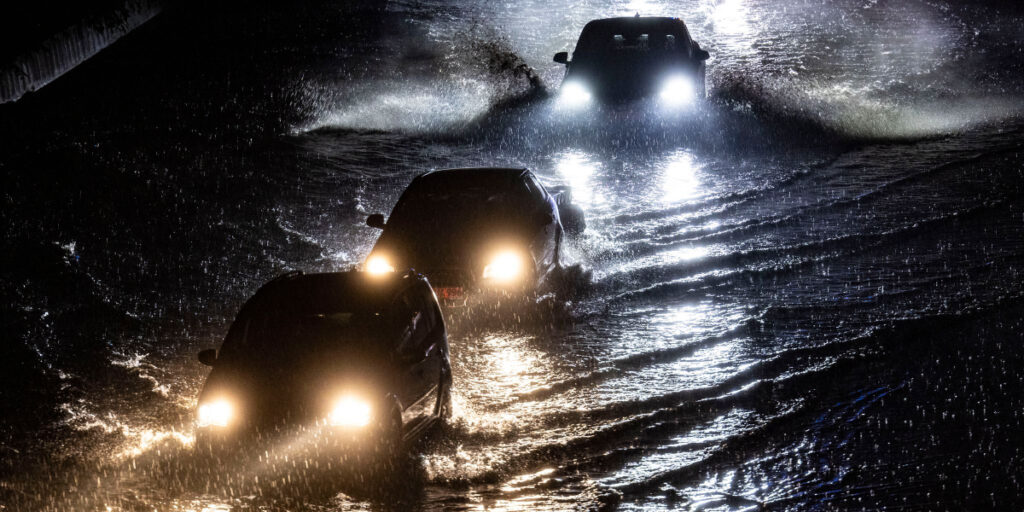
803 294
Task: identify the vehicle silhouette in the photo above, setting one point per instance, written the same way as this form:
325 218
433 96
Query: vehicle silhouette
479 229
621 59
354 363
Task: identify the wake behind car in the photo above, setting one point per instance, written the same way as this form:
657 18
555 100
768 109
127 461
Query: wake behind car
478 229
621 59
348 361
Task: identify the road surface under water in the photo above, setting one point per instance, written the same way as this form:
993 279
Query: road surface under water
805 294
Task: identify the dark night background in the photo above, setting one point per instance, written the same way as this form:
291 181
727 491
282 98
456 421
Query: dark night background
804 296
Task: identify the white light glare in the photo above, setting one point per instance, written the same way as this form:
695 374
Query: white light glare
378 265
505 267
677 91
216 414
349 412
574 94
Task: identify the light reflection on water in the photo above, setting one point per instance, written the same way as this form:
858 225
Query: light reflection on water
731 18
578 169
685 450
659 260
706 368
503 365
496 368
710 366
522 396
688 320
680 179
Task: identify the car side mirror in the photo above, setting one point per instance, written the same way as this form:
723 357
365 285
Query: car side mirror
375 221
701 54
208 356
562 57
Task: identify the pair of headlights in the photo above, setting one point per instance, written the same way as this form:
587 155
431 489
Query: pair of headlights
348 411
504 267
675 91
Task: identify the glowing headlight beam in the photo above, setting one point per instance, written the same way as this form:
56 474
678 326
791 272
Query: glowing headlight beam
349 412
379 265
573 94
677 91
506 266
216 414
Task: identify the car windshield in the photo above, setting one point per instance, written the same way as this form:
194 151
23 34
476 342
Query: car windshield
289 335
629 41
437 209
478 200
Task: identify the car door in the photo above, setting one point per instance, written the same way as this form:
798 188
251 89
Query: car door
545 245
417 353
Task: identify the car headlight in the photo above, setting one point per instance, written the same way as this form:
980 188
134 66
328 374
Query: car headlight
349 412
504 267
379 265
573 94
677 91
217 414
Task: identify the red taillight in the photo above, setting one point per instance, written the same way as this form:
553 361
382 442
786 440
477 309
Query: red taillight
449 292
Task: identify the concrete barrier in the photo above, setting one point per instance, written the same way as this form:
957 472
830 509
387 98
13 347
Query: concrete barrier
72 46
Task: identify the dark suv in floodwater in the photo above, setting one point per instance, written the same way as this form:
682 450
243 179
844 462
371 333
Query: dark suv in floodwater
347 361
476 229
634 57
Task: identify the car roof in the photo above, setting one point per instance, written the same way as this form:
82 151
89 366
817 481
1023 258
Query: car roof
330 292
472 177
636 23
597 31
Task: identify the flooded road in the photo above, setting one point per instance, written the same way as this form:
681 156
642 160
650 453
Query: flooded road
803 295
